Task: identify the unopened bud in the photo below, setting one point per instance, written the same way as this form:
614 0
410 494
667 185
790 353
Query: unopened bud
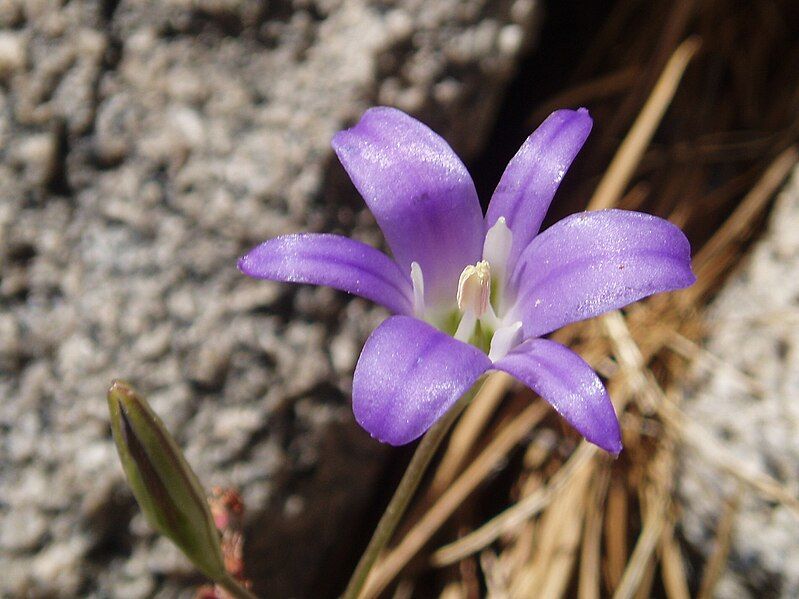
162 481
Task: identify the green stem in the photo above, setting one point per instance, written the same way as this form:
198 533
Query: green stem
234 589
402 496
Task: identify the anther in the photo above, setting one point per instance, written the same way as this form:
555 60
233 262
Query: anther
474 289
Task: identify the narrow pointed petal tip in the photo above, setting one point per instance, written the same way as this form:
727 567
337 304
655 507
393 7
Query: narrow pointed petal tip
533 175
419 192
335 261
570 385
408 376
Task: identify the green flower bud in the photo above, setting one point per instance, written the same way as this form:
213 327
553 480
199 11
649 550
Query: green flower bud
162 481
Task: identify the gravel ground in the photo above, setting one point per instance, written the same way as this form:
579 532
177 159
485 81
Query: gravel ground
144 144
746 396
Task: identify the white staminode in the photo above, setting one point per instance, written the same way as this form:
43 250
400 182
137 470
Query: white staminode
504 340
496 249
474 289
417 279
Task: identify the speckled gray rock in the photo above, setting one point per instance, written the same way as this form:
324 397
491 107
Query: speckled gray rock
750 404
144 144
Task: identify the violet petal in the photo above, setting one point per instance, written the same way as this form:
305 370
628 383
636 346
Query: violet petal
335 261
533 175
594 262
409 374
566 381
419 192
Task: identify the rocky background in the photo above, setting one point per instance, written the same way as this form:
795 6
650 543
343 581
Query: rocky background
744 390
144 144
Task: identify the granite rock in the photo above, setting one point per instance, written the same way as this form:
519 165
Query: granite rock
144 144
747 400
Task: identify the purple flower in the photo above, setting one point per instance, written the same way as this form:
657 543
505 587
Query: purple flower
472 293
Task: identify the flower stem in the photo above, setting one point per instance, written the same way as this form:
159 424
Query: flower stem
404 493
234 589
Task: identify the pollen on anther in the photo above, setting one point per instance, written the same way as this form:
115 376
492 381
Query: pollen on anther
474 288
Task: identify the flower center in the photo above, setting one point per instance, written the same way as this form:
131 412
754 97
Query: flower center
480 297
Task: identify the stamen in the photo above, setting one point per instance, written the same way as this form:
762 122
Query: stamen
496 248
504 340
417 279
466 327
474 289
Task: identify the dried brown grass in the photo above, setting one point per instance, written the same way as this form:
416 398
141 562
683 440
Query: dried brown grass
722 80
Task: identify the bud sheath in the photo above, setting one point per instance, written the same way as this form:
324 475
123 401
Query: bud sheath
162 481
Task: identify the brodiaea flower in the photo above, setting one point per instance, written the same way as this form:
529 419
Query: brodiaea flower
471 293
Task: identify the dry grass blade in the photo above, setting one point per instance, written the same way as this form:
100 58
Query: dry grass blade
644 589
579 95
468 430
588 586
621 169
405 589
654 524
631 358
721 549
616 527
715 257
641 379
521 548
396 559
517 514
675 581
564 554
495 575
547 574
